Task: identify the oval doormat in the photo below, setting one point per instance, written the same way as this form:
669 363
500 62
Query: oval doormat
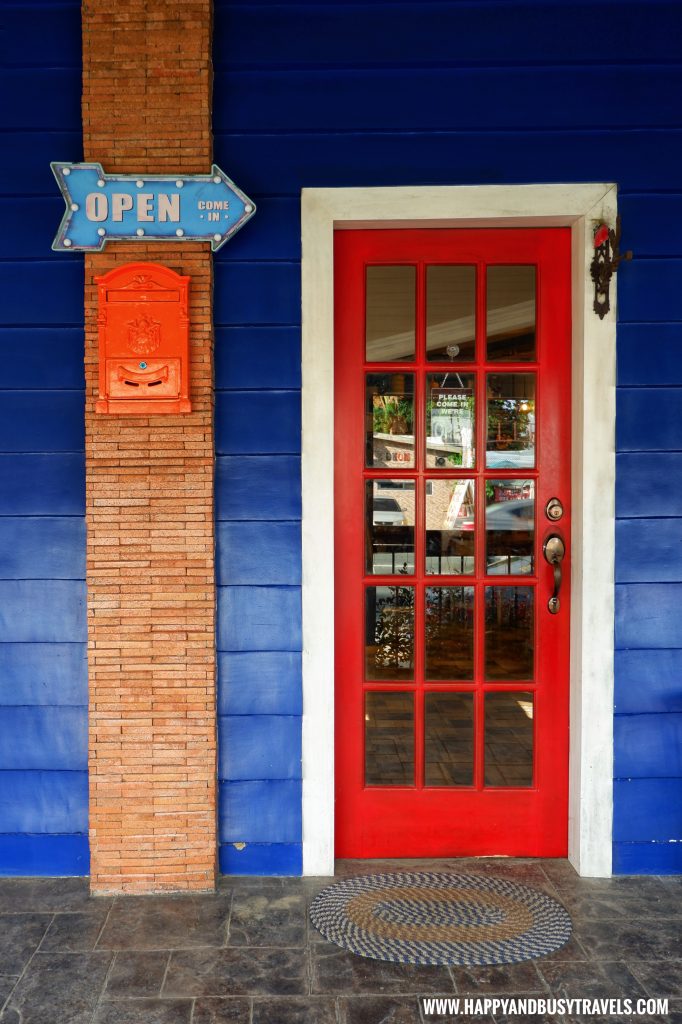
429 918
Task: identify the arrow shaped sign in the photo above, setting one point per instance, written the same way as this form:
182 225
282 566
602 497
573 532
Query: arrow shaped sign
99 207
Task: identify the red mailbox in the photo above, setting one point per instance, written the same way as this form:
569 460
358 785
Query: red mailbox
143 340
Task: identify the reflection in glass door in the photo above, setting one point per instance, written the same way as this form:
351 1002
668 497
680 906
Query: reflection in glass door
452 433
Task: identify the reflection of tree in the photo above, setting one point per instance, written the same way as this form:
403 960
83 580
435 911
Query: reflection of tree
392 415
394 629
508 423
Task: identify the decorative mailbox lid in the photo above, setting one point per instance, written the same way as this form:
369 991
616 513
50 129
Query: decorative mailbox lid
143 340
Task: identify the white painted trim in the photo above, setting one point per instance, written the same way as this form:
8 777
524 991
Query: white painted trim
594 377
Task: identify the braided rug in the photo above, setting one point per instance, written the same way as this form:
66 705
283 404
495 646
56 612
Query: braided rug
437 918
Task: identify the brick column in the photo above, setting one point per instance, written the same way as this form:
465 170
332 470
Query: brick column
150 568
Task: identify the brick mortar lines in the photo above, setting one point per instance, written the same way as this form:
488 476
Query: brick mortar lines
149 485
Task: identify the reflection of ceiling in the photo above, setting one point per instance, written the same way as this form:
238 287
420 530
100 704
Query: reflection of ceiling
506 320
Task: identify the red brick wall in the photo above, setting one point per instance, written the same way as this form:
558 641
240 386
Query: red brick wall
150 569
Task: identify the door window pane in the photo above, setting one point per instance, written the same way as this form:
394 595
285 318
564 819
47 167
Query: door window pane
450 437
449 527
389 739
511 314
390 313
449 629
389 528
509 739
389 417
509 633
509 526
511 421
449 739
389 633
450 313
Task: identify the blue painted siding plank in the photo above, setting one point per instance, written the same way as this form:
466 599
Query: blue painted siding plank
648 681
43 802
636 158
650 290
262 859
28 226
649 550
258 553
42 421
257 422
647 810
649 420
645 483
273 234
42 358
259 747
258 618
54 34
33 151
257 293
42 548
648 746
649 353
257 683
43 674
437 99
49 293
47 738
647 858
50 855
262 487
648 615
258 357
260 812
50 484
652 226
42 611
42 98
431 33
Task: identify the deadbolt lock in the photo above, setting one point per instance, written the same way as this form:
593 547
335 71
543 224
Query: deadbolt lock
554 510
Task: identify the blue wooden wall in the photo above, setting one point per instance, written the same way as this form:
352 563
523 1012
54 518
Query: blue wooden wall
43 679
331 94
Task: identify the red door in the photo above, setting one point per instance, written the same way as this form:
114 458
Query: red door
452 437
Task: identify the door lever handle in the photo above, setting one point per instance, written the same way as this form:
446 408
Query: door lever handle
554 550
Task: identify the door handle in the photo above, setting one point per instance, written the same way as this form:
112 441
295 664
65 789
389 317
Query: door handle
554 550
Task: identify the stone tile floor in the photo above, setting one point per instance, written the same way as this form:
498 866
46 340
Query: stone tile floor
248 955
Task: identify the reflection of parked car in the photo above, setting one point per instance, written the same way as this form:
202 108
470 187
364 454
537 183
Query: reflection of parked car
516 515
387 510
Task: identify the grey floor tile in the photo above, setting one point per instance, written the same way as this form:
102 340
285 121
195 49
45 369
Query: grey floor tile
592 980
49 895
60 988
144 1011
660 978
301 1010
571 950
167 922
222 1011
337 971
138 973
264 919
379 1010
6 986
237 971
515 979
631 940
74 932
20 936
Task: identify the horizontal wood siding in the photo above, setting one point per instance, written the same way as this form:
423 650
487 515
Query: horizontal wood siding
331 94
43 675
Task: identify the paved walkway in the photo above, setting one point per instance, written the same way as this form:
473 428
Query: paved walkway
247 955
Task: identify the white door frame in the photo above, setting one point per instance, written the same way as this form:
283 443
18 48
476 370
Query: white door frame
324 210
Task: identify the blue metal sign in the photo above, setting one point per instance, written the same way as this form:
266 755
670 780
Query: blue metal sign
99 207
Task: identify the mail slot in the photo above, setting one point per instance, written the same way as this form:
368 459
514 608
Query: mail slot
143 340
